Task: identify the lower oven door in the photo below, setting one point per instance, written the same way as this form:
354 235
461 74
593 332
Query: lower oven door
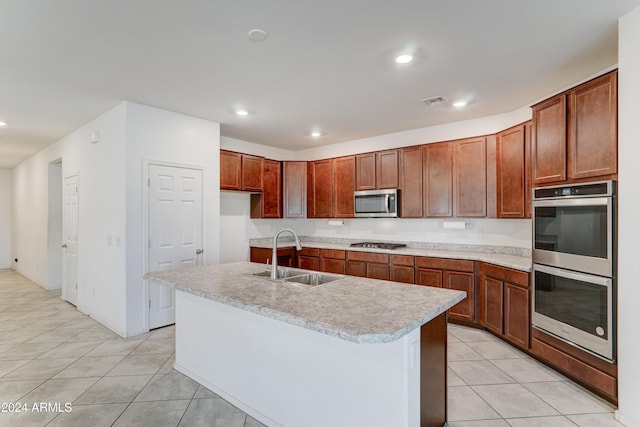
575 307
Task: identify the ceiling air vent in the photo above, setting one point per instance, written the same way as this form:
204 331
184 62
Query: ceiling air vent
436 100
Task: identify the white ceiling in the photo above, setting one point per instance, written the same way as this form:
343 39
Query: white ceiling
325 63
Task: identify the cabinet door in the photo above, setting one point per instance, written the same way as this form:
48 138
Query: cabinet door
252 173
331 265
411 182
464 310
344 177
593 125
366 171
272 193
516 314
264 256
402 273
377 271
295 189
357 268
527 169
470 178
549 141
490 291
438 179
230 170
387 169
309 263
319 194
429 277
510 168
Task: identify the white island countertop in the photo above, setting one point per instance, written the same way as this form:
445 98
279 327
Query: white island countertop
353 308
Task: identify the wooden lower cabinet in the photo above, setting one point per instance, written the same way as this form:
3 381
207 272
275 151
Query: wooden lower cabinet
429 277
286 256
504 303
309 259
368 264
460 281
333 261
401 268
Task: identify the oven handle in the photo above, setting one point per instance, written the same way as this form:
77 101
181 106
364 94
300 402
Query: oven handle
587 201
582 277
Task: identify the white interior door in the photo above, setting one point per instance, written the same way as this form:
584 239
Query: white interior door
175 232
70 239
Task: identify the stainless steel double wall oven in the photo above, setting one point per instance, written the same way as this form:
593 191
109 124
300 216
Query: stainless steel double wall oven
574 265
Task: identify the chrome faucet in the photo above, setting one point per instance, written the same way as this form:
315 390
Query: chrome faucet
274 256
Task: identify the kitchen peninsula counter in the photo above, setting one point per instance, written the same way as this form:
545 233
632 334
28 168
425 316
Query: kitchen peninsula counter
350 352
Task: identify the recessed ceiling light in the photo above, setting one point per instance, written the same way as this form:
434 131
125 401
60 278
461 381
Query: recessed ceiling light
257 34
459 104
316 133
404 58
3 124
242 113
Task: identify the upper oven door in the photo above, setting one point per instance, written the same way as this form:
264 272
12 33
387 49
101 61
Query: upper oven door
574 233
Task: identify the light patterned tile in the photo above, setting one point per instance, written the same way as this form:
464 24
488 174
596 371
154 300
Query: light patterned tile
139 365
527 370
202 411
463 404
154 414
513 400
477 372
560 421
461 351
114 390
173 386
595 420
568 398
496 350
90 415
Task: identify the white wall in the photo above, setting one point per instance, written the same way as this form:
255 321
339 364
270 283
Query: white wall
5 218
54 227
101 183
155 135
628 225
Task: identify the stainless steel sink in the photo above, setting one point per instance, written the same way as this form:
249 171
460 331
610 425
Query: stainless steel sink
313 279
283 273
300 277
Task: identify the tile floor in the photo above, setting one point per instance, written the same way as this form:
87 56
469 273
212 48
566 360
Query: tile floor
51 353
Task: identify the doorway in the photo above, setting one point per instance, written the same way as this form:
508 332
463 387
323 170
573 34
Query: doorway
175 231
70 239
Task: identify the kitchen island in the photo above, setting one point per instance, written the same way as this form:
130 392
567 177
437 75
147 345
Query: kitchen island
352 352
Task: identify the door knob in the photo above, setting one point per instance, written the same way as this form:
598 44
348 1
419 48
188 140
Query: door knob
199 251
64 246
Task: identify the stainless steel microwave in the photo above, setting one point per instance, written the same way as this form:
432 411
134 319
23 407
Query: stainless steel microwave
377 203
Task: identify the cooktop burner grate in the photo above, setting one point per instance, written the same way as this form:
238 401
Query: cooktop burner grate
378 245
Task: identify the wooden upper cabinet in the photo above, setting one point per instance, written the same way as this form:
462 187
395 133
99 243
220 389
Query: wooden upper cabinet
230 170
411 182
470 178
252 173
377 170
549 140
295 189
438 179
343 183
593 128
387 169
366 171
527 168
272 190
510 168
319 189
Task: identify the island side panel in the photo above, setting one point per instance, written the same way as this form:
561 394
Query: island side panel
433 372
286 375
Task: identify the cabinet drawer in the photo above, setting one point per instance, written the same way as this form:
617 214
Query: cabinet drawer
516 277
444 264
332 253
309 252
368 257
402 260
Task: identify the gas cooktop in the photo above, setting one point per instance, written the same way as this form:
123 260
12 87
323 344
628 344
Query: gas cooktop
378 245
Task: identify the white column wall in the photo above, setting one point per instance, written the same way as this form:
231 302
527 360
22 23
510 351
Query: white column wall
628 224
155 135
5 218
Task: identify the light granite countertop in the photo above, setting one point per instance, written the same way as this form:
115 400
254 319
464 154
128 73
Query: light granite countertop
353 308
517 262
